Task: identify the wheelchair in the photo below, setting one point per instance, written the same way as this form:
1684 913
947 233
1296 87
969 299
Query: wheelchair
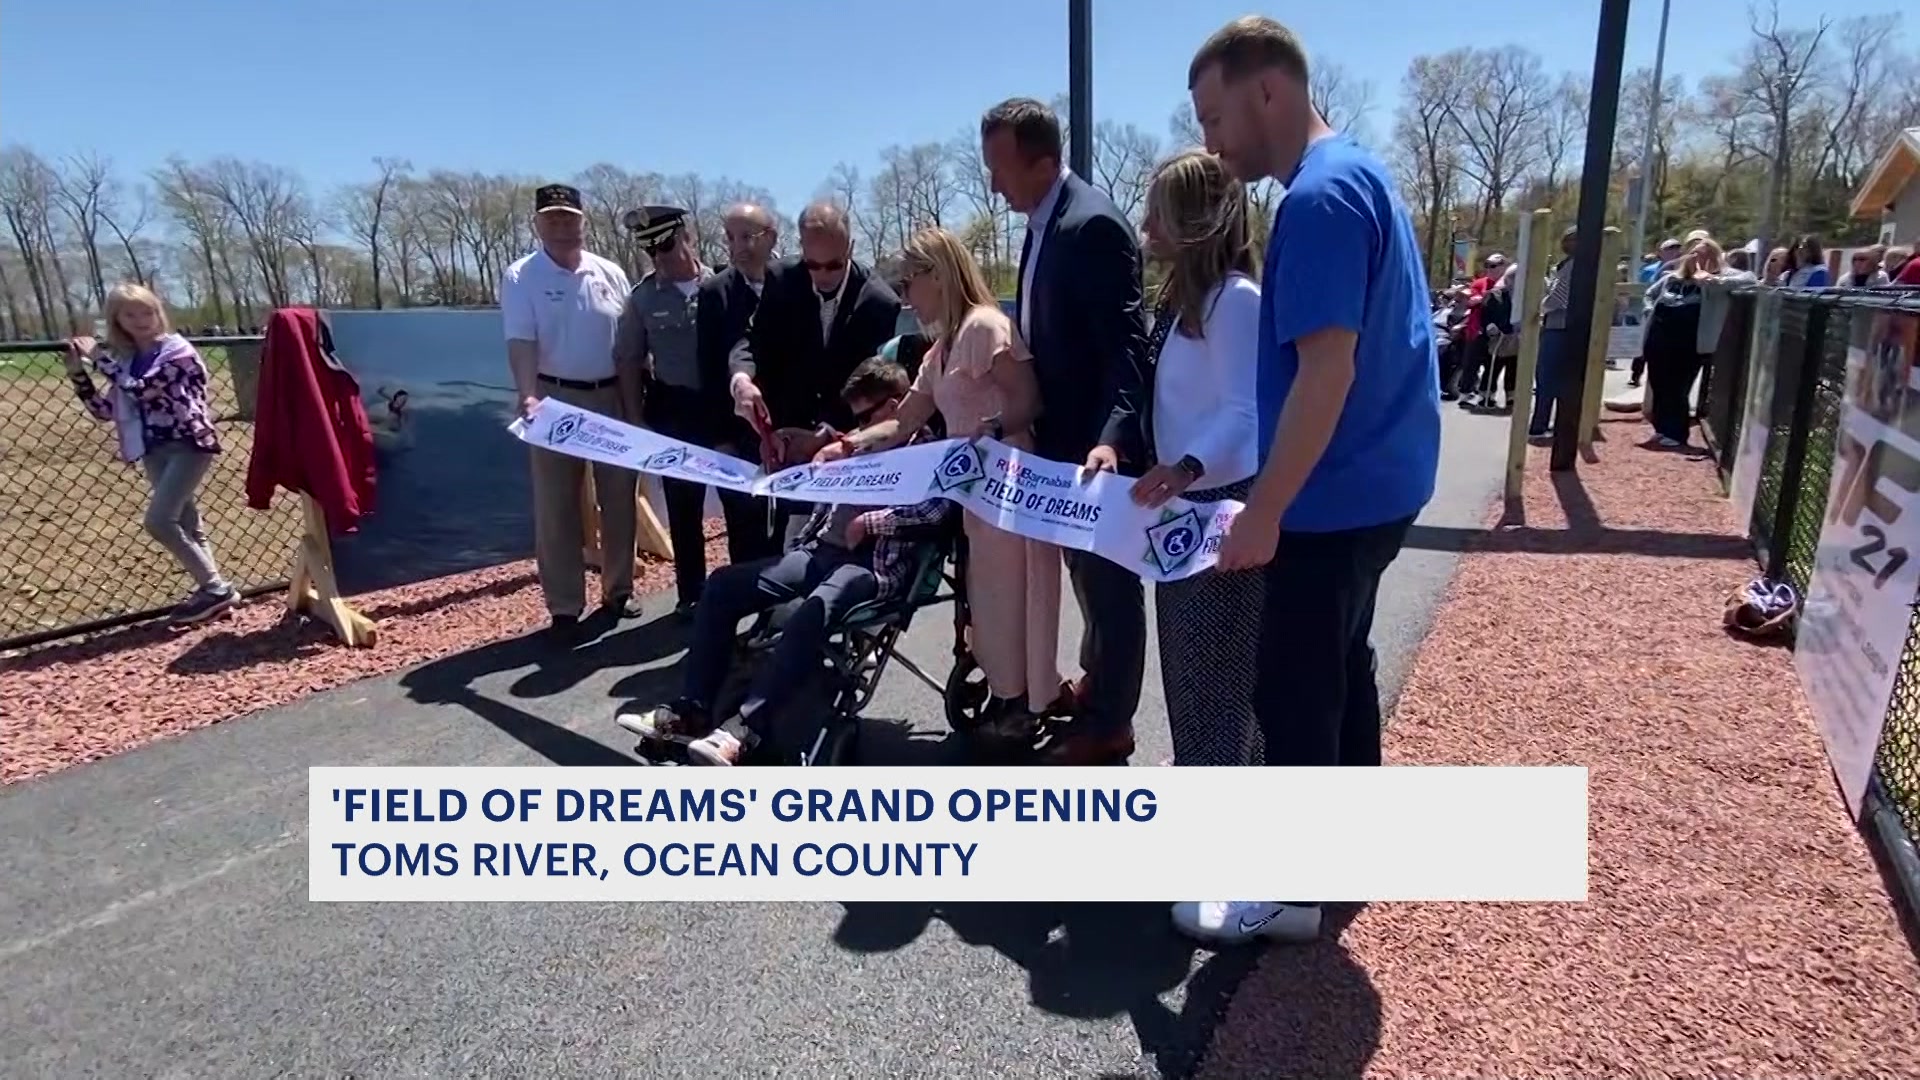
820 722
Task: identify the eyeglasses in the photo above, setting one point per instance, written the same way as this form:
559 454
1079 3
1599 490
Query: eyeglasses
744 236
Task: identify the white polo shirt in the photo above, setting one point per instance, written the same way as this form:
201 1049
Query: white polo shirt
569 314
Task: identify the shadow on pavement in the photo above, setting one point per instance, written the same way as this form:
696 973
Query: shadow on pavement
1304 1011
450 681
1091 961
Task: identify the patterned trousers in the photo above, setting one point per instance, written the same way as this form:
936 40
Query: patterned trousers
1209 627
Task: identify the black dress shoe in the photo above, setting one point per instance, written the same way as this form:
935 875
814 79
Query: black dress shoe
1068 747
627 606
564 631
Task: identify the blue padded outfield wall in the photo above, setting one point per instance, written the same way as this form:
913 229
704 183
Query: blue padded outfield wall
453 487
453 490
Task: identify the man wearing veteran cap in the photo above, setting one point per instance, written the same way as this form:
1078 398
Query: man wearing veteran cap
560 306
684 398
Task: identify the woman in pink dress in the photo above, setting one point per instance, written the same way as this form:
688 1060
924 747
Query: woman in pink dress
979 376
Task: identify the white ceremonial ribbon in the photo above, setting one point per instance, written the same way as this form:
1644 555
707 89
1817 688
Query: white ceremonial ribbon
1010 489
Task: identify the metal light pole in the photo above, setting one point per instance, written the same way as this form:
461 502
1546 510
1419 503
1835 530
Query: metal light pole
1591 281
1639 244
1080 86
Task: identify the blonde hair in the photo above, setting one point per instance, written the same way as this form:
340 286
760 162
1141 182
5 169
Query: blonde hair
119 299
962 286
1202 212
1705 258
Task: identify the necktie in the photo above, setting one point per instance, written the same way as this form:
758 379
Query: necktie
1020 289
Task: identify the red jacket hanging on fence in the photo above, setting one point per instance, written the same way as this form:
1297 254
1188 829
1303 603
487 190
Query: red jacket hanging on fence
310 431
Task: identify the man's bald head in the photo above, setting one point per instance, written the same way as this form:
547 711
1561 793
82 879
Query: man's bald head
751 235
826 244
749 214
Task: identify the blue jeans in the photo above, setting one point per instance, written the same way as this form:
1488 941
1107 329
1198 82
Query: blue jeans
175 470
1547 373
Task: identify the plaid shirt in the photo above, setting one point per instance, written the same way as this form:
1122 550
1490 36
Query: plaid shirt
893 553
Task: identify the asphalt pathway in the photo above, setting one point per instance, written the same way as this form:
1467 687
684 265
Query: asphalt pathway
154 920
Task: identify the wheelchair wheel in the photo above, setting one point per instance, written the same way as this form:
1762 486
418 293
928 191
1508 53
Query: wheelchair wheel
967 695
837 743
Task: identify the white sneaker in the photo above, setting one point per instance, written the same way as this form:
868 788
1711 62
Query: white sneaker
659 724
1235 922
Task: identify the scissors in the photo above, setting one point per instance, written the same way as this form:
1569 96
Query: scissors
762 422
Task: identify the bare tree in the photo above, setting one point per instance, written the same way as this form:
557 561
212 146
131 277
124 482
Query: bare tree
266 202
842 186
1672 112
363 210
1424 137
1780 71
26 198
1498 117
1123 161
127 221
1183 128
189 199
1842 118
81 189
1342 100
986 231
1563 134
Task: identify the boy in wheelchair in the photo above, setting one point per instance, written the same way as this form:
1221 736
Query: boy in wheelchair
846 557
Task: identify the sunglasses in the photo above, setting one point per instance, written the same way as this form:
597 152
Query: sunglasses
830 266
864 417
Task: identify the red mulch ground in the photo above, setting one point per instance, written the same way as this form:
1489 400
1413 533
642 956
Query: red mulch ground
77 701
1737 926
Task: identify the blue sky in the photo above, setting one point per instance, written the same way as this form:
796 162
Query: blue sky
771 93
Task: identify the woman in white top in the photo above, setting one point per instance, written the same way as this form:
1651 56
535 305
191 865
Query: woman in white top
1204 432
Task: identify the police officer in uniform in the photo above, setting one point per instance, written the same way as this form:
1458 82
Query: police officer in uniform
658 334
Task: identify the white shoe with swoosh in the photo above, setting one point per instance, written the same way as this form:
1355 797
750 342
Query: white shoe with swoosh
1235 922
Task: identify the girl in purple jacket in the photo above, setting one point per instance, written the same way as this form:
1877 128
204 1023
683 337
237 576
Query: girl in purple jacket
156 398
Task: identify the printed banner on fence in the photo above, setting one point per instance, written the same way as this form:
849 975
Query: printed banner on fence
1010 489
1756 416
941 834
1866 576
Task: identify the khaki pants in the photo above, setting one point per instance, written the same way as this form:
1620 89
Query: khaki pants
559 535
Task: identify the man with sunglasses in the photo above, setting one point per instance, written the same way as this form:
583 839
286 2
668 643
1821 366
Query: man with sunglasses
819 317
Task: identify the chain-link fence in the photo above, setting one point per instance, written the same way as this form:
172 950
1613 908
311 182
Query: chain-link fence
1782 360
74 554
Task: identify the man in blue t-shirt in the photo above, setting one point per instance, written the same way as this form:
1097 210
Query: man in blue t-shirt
1349 402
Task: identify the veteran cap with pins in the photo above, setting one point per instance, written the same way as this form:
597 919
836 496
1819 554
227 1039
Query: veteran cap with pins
557 197
655 226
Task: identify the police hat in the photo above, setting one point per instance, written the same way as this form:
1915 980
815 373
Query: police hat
557 197
655 226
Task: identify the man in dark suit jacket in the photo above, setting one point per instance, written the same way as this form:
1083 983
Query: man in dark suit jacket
1080 310
819 316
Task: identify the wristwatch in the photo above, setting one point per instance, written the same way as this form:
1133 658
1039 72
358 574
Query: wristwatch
1192 467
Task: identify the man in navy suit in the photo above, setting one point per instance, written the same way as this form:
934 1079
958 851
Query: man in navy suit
1079 309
